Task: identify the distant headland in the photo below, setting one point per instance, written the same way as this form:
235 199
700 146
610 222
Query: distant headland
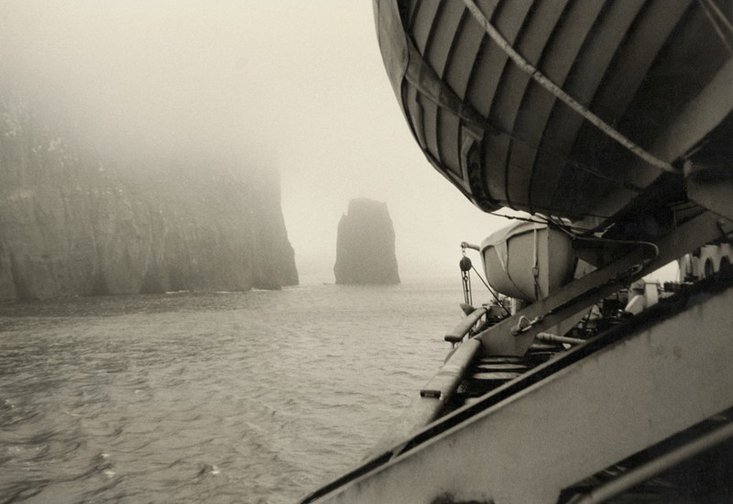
74 222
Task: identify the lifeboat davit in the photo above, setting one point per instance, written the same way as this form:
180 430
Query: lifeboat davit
567 108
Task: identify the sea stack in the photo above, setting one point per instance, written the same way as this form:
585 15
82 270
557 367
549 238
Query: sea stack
365 245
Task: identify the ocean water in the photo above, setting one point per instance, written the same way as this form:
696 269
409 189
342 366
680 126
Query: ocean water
254 397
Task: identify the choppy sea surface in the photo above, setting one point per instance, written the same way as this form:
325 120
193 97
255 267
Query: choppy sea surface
253 397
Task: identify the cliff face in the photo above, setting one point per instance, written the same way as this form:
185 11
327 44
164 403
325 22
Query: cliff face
71 224
365 245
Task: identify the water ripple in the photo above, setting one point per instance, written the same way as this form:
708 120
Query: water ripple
238 397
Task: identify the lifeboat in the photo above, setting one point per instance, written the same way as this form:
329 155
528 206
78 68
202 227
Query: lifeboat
580 109
528 261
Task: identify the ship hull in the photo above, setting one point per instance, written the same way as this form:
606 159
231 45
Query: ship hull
611 117
544 434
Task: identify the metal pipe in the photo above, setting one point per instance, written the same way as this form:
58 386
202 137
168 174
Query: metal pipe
554 338
432 399
466 324
466 245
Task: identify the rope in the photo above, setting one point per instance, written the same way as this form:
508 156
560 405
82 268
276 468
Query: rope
568 228
536 266
553 88
496 298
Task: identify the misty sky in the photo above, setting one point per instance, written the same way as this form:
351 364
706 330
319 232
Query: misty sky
294 86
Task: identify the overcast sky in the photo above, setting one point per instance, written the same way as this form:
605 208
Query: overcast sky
295 86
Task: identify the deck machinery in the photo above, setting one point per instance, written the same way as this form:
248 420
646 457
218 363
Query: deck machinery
609 123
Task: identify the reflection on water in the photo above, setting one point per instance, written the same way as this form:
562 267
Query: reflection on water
229 397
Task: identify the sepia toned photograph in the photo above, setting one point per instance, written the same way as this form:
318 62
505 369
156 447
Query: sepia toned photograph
387 251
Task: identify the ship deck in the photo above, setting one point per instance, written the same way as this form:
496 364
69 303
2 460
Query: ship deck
583 417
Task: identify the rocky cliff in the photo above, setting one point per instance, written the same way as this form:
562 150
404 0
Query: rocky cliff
365 245
73 222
